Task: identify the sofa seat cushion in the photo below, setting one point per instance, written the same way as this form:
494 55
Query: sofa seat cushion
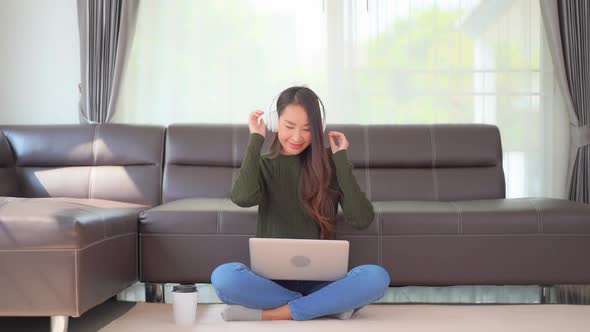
484 217
217 216
478 217
199 216
63 223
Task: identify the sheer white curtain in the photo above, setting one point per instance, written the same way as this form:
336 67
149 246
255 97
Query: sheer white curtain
371 61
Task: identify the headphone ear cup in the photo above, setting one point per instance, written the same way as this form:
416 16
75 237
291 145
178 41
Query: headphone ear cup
267 120
273 121
323 115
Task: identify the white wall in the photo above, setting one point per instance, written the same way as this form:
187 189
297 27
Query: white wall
39 62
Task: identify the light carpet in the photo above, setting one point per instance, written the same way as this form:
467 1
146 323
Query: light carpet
147 317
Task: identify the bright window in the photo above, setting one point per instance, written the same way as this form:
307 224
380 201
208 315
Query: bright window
371 61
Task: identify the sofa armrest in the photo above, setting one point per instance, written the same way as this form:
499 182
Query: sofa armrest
8 179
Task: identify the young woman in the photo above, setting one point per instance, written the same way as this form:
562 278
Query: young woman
297 187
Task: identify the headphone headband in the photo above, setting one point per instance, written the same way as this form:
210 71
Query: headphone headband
272 116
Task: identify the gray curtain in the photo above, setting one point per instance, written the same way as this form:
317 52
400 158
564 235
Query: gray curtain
106 33
567 25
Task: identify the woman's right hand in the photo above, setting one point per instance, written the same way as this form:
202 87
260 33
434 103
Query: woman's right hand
253 124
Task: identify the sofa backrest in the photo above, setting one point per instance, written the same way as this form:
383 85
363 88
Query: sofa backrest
442 162
104 161
391 162
8 181
202 160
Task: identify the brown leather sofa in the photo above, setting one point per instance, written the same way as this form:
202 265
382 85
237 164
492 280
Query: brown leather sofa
70 196
439 195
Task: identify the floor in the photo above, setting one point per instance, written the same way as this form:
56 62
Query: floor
454 308
93 320
147 317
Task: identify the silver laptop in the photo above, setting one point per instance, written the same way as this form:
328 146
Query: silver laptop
299 259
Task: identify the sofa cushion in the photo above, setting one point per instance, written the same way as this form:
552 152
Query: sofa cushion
63 223
416 218
479 217
446 162
484 217
199 216
117 162
216 216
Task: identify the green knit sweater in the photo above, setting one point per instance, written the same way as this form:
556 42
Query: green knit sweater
272 184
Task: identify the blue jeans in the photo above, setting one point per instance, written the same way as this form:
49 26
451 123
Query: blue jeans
235 283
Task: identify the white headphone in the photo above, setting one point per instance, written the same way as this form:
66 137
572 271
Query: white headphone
271 118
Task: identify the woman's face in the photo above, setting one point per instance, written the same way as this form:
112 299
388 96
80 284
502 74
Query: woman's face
294 130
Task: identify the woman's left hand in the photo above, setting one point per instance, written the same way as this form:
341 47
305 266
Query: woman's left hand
338 141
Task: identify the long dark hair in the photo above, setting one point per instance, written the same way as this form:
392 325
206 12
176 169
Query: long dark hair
315 195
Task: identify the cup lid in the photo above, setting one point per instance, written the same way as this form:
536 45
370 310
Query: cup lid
184 289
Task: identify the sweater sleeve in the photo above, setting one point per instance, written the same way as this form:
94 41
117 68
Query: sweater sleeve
358 210
247 190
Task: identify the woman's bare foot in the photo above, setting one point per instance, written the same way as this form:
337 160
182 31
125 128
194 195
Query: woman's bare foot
280 313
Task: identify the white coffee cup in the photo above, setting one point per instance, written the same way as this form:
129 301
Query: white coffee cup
184 299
